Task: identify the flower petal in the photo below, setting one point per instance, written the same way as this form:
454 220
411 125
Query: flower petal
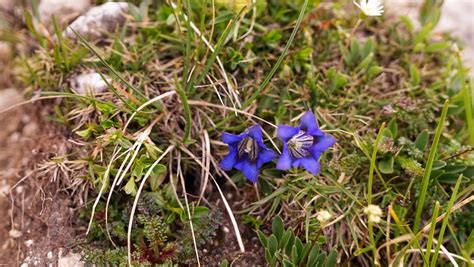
230 138
255 132
311 165
310 125
249 169
265 156
296 163
284 162
285 132
324 142
229 161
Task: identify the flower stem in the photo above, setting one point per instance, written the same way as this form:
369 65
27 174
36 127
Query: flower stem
372 241
372 164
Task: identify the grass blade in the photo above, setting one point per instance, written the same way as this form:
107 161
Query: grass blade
372 164
187 111
107 65
431 234
429 166
445 221
280 59
467 100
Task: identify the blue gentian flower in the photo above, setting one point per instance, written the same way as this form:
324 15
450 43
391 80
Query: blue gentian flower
303 145
247 152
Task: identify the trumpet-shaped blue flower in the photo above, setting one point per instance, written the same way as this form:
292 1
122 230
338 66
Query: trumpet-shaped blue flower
303 145
247 152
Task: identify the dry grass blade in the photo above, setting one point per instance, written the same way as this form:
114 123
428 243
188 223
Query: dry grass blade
224 200
135 202
207 158
146 104
183 184
230 89
105 180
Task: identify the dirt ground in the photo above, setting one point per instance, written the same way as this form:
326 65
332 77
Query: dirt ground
37 226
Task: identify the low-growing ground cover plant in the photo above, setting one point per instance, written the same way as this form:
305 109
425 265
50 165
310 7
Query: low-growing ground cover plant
280 133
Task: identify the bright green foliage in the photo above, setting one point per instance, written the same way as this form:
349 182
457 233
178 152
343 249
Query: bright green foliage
283 248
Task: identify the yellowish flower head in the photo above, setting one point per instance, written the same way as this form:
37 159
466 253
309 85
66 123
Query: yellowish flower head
374 213
323 216
235 5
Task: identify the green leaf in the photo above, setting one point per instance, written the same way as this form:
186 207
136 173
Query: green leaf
354 50
469 245
305 252
299 246
368 48
287 263
392 125
438 164
269 257
138 168
85 133
386 166
130 188
313 255
277 227
387 133
157 177
321 260
374 71
422 140
332 258
448 178
438 47
294 254
414 75
285 238
455 168
200 212
262 238
272 244
224 263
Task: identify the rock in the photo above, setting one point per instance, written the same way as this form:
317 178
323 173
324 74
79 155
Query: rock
5 52
9 97
70 260
89 83
63 11
7 5
28 243
455 19
99 20
15 233
4 188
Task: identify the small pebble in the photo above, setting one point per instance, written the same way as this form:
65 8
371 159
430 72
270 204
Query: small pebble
28 243
15 233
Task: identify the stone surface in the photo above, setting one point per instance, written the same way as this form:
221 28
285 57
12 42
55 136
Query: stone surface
7 5
9 97
456 18
5 51
99 20
70 260
89 83
63 10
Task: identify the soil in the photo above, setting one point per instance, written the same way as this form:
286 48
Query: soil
37 225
